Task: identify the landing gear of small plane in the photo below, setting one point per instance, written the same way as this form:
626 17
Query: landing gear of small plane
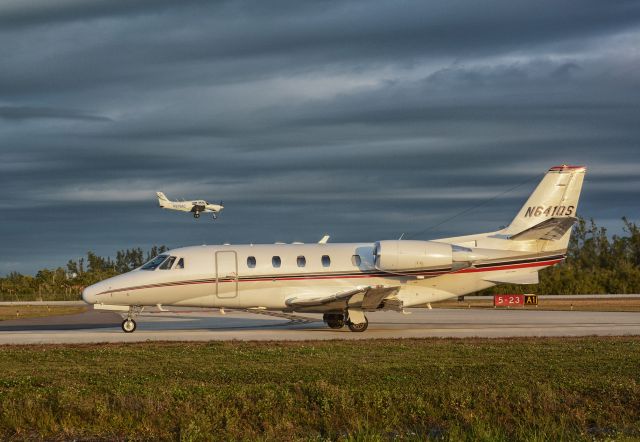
334 320
358 327
215 216
129 325
196 214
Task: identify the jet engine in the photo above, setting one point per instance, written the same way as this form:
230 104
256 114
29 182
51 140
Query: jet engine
403 256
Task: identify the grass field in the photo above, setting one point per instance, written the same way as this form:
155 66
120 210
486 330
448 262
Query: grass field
37 311
532 389
599 305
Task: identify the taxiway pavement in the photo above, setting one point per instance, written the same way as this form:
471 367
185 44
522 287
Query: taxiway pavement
210 325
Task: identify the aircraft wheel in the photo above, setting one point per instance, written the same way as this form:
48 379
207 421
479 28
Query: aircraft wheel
196 215
128 326
335 321
358 327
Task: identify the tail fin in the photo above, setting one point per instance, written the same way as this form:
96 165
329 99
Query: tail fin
555 198
161 198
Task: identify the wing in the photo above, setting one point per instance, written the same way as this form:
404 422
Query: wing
513 278
365 298
551 230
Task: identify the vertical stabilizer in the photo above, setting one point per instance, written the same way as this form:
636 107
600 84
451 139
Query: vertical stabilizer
162 198
556 197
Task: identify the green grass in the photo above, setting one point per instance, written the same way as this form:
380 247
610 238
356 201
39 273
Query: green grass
37 311
530 389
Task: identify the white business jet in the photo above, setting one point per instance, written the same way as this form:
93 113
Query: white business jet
196 207
344 281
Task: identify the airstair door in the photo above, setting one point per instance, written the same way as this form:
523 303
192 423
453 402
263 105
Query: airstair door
226 274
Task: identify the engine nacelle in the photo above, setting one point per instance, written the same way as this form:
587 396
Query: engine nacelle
400 255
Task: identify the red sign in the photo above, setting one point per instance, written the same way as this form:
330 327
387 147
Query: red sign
508 300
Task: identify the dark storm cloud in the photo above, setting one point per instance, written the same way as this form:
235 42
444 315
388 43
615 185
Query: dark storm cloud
26 112
363 119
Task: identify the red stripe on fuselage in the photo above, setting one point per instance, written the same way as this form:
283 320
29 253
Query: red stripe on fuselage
365 275
510 267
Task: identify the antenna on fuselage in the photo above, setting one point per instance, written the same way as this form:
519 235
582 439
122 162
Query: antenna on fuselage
324 239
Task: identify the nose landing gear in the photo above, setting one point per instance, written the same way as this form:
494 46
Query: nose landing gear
129 325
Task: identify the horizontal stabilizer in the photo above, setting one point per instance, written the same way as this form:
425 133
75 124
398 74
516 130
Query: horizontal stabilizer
550 230
514 278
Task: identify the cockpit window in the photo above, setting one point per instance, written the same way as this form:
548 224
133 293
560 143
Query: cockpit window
154 263
168 263
180 264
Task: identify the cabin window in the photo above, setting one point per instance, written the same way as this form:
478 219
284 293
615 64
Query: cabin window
356 260
326 261
251 262
302 261
276 262
180 264
168 263
154 263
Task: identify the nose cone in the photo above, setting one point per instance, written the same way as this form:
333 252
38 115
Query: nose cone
89 294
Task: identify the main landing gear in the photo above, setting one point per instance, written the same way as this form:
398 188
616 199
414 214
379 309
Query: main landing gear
334 320
129 324
196 214
356 321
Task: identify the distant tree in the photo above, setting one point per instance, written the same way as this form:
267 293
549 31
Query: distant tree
596 263
68 283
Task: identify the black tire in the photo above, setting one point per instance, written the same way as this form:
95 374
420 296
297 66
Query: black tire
334 320
196 215
335 324
129 326
358 327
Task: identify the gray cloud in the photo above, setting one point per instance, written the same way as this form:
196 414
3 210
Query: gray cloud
26 112
361 119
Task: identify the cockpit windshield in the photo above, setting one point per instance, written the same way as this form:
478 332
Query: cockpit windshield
154 263
168 263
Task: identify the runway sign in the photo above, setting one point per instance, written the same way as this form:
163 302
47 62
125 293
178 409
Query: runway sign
530 299
508 300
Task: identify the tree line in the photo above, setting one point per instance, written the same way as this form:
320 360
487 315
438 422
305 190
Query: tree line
596 263
67 283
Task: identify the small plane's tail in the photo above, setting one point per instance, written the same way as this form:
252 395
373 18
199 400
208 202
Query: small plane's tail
162 198
550 211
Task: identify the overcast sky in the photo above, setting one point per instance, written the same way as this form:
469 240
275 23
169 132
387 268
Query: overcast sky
361 119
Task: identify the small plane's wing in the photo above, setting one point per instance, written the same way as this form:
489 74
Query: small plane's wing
365 298
550 230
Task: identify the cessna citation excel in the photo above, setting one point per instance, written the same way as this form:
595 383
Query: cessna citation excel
196 207
344 281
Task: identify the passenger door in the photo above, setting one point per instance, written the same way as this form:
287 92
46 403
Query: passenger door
226 274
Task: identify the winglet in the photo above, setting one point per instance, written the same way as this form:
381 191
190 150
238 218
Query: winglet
324 239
